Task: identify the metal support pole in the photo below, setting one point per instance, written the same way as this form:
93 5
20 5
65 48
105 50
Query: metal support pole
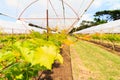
47 24
12 35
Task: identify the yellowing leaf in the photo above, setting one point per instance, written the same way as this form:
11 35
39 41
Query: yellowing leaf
67 42
59 58
46 55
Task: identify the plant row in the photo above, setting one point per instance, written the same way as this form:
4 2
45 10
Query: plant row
98 36
24 56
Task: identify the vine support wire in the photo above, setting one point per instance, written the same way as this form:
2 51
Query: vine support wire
53 9
8 16
75 12
55 12
63 12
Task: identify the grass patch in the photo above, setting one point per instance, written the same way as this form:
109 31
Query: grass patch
105 65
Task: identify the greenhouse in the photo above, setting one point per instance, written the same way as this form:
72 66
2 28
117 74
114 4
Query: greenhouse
36 43
110 27
65 15
18 27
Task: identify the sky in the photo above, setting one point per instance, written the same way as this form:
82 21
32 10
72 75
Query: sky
15 7
100 5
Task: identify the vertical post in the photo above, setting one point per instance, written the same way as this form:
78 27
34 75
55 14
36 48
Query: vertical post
47 21
47 24
12 35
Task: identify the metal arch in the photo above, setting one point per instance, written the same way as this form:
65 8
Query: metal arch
26 8
80 16
77 19
52 7
38 0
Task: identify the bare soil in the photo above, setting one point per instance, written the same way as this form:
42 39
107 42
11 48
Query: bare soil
60 71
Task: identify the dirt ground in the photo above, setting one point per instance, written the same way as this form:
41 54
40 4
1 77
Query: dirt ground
62 71
72 68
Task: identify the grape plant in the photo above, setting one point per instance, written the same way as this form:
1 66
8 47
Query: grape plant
25 57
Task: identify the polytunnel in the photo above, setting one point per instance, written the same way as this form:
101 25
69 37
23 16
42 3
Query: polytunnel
55 14
54 53
110 27
17 27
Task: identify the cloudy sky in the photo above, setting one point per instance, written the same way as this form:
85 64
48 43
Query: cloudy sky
100 5
15 7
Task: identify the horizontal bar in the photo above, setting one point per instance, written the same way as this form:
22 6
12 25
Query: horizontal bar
45 18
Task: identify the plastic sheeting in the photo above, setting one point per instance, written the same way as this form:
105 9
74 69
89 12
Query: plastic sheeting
17 27
62 16
110 27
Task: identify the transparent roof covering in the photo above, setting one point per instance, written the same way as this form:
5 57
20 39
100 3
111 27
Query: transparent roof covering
110 27
62 14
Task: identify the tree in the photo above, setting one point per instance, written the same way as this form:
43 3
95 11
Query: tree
108 15
100 17
86 24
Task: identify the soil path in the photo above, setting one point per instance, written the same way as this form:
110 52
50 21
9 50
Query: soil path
64 72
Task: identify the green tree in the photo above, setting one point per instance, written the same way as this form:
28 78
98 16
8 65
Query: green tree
86 24
108 15
100 17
